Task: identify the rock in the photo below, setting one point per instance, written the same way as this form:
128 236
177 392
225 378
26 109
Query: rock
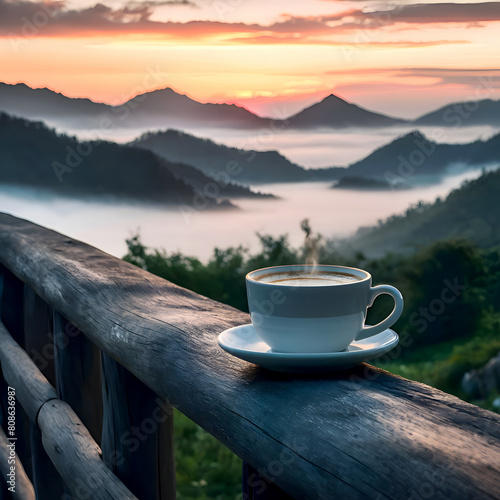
472 385
478 384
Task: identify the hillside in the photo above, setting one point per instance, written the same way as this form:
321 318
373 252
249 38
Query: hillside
414 158
470 212
362 184
334 112
457 114
244 166
33 155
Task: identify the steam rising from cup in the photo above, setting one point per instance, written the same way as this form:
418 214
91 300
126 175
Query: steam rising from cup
311 244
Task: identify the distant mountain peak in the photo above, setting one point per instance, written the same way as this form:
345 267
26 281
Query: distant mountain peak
333 111
332 98
414 134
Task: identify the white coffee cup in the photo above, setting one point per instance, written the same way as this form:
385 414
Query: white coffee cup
319 308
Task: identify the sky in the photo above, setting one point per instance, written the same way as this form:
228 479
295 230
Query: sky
272 56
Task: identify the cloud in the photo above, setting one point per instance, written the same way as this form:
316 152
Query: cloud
468 77
370 18
443 13
461 76
276 40
55 18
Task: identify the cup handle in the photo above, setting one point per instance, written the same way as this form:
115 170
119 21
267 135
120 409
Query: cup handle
375 291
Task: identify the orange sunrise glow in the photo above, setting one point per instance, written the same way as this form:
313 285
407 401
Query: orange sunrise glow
272 59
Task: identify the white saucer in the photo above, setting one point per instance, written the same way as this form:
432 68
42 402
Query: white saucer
244 342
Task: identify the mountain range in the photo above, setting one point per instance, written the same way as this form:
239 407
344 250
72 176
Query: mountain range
411 159
408 160
240 165
158 108
165 108
462 114
414 158
31 154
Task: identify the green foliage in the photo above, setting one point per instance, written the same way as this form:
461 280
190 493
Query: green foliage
444 289
223 277
443 365
205 468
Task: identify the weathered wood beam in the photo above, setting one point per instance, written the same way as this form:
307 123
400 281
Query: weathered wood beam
359 434
76 456
32 388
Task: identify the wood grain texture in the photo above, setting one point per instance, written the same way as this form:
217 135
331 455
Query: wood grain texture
77 456
23 489
11 305
257 487
39 345
137 435
78 374
71 448
5 289
12 314
47 482
32 388
359 434
38 334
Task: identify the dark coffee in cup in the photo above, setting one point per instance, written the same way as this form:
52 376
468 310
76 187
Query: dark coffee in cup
308 278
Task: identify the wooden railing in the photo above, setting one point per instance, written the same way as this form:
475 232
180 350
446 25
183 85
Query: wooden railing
98 350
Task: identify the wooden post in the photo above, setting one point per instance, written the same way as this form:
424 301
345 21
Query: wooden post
78 374
137 434
11 305
40 347
12 316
